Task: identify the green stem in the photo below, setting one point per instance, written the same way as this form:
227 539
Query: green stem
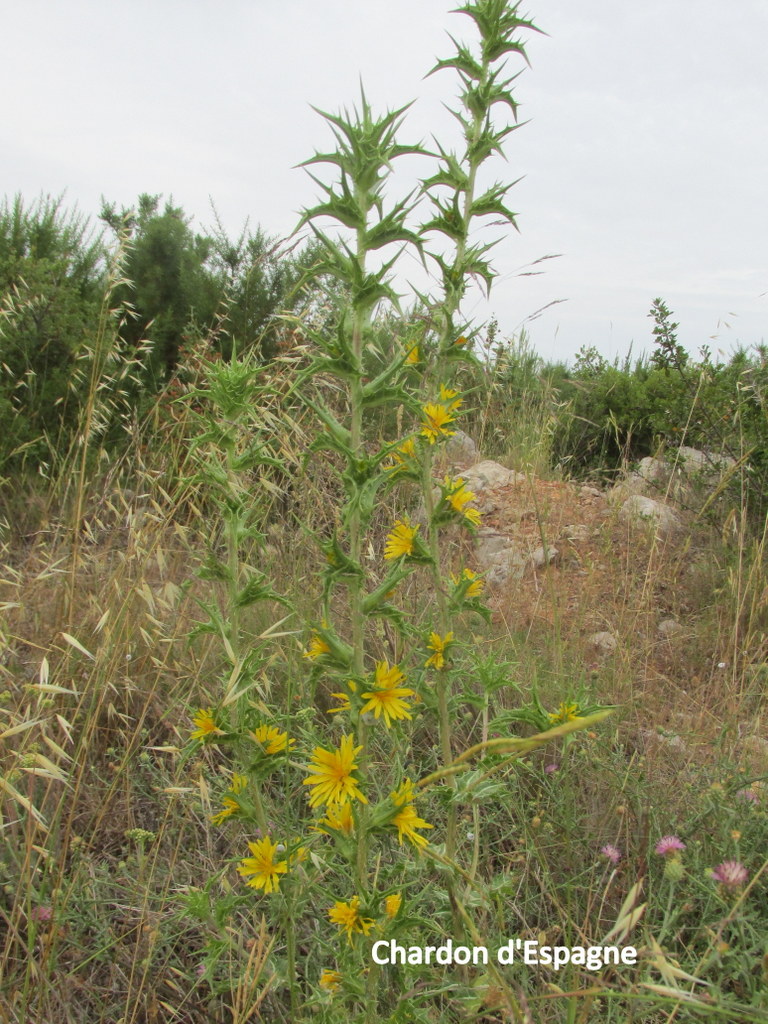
360 318
290 950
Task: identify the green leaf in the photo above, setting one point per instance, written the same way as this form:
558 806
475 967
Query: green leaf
257 589
339 562
448 220
214 569
339 433
373 600
462 61
491 202
344 207
384 396
450 174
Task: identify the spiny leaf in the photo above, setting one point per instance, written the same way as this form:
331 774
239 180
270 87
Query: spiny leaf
462 61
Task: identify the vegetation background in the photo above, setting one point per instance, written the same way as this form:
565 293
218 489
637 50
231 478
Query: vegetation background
120 898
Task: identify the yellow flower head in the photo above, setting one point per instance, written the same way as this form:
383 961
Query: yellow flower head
392 904
401 455
406 821
330 980
413 358
347 917
345 704
231 804
298 854
331 774
565 713
400 540
458 497
439 646
339 818
403 794
317 647
434 424
460 341
273 741
449 397
388 697
475 588
262 865
206 725
388 677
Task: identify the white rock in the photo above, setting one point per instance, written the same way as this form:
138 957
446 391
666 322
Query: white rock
540 558
669 628
490 545
487 474
691 460
604 642
640 509
497 555
461 450
653 469
681 476
510 568
576 533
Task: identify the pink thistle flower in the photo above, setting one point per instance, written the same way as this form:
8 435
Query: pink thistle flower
730 874
749 795
550 769
43 913
669 845
613 853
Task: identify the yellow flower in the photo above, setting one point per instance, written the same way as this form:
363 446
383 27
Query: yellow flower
345 704
339 818
404 794
206 725
262 865
406 821
448 396
317 647
439 645
388 676
330 980
392 904
458 497
475 588
347 917
460 341
273 741
434 424
400 540
388 697
565 713
299 854
403 452
332 774
413 358
231 804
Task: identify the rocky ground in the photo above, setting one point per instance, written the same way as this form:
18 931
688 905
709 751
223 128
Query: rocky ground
623 580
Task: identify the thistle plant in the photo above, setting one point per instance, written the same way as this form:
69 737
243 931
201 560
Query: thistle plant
355 850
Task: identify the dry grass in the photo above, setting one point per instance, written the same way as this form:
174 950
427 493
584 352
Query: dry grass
97 699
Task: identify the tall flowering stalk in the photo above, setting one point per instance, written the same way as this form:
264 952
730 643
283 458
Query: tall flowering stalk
365 149
457 207
366 832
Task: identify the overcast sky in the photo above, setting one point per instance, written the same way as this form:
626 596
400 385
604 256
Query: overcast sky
644 161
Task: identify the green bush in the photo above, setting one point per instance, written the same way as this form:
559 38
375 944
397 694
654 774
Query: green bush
51 282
